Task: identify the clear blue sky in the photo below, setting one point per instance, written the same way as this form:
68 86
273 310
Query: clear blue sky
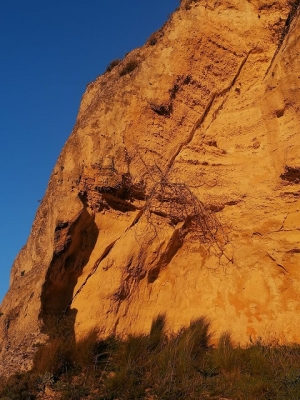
49 51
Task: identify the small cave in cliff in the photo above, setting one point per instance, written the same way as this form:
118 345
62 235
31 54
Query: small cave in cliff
119 197
291 174
67 264
164 110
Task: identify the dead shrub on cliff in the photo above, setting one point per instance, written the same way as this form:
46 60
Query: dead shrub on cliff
154 38
176 202
113 64
188 3
129 67
177 205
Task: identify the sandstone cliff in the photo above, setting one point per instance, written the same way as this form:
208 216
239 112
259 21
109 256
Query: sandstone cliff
178 191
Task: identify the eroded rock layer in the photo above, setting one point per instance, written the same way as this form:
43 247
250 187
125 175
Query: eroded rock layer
178 191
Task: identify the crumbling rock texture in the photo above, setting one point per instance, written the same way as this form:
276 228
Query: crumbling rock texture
178 191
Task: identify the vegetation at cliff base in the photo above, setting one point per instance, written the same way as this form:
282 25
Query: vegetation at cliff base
157 366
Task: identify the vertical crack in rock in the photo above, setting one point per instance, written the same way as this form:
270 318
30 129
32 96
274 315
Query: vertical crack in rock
174 244
203 117
294 12
93 271
277 263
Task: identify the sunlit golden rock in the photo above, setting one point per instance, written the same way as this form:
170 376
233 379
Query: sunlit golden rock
178 191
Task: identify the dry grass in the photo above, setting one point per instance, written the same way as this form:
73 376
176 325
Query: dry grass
181 366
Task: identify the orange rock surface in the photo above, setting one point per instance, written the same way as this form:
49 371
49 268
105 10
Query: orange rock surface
178 191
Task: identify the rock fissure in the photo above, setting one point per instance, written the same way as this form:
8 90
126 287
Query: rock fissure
93 271
277 263
292 15
207 110
220 46
226 91
174 244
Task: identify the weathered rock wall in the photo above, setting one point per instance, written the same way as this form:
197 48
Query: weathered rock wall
178 191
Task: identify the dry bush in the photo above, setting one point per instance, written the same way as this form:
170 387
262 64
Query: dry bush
113 64
188 3
154 38
56 356
228 357
176 203
129 67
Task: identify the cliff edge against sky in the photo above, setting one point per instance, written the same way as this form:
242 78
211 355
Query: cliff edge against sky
178 191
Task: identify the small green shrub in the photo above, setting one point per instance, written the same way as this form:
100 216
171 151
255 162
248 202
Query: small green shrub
129 67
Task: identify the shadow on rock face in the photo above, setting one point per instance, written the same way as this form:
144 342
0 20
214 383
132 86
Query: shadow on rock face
74 242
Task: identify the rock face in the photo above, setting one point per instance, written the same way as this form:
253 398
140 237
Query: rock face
178 191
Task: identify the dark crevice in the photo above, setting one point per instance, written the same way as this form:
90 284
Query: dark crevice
162 109
278 265
287 26
61 225
120 197
153 274
83 198
232 203
68 263
208 108
294 194
175 243
94 269
279 113
124 190
118 204
166 109
291 174
289 20
294 251
136 219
